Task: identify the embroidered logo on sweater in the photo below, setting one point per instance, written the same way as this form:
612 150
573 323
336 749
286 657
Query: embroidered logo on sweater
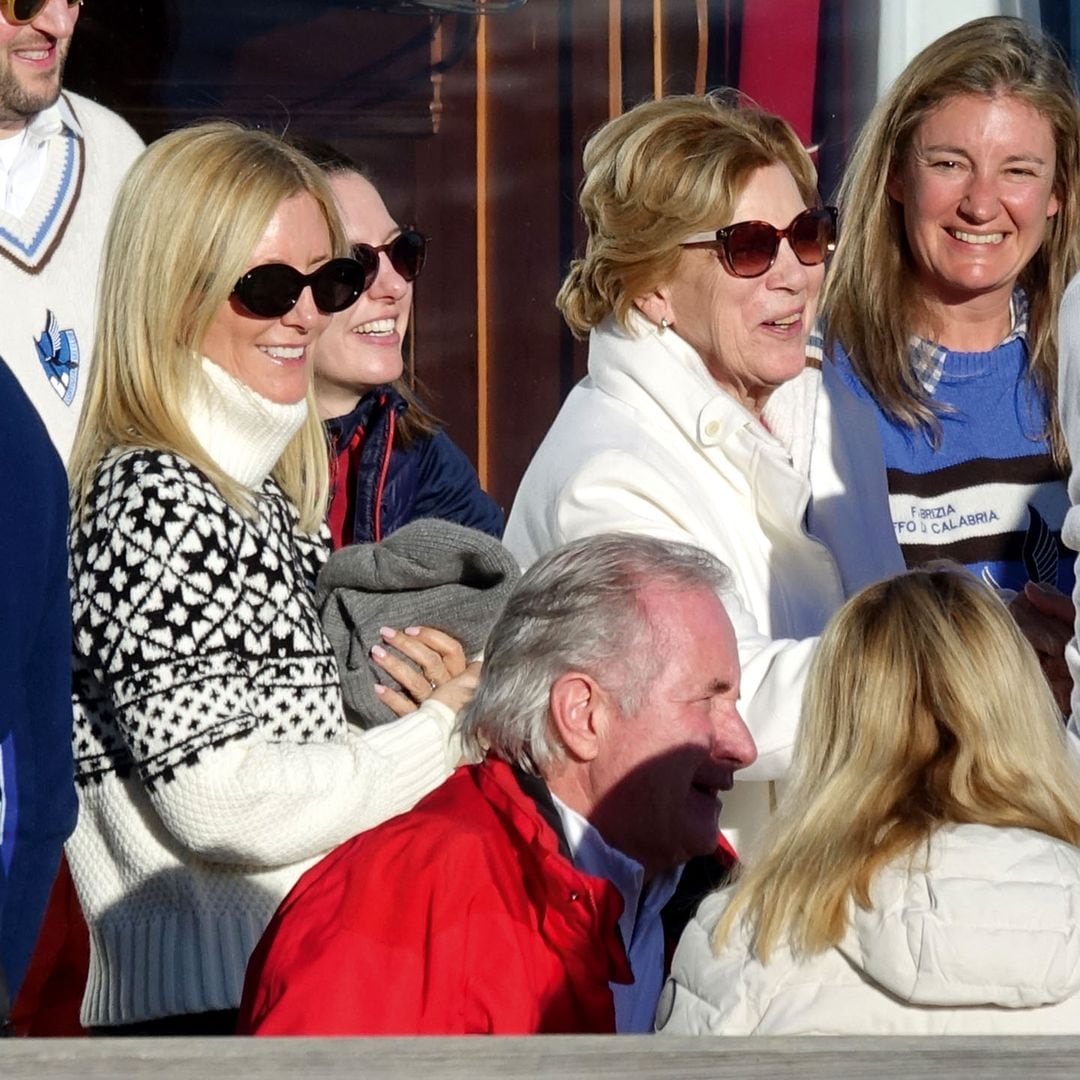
1040 550
58 351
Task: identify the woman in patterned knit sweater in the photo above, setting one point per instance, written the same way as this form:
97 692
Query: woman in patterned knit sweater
213 760
961 227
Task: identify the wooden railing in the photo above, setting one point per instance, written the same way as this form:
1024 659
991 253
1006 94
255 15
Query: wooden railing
590 1058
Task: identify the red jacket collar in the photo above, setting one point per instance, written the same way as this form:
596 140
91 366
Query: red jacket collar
576 903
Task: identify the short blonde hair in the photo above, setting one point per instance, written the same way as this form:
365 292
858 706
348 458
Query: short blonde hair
872 302
657 174
185 222
924 706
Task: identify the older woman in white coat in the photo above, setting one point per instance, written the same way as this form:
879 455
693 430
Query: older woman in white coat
922 874
699 420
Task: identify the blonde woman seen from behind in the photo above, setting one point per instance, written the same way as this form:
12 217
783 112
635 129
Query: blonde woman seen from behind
930 771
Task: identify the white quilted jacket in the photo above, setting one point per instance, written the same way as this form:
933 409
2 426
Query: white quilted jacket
979 936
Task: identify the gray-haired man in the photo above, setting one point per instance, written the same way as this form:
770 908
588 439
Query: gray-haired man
525 894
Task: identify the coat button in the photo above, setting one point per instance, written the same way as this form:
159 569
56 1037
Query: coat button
712 429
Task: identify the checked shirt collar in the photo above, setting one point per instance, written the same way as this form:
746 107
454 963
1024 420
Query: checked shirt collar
928 357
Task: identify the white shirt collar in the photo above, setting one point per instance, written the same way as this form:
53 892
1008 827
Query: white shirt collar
646 367
10 149
52 120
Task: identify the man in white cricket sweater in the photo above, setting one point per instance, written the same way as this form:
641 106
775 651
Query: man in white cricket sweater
62 158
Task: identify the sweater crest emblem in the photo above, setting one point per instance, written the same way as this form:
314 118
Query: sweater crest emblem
1040 550
58 352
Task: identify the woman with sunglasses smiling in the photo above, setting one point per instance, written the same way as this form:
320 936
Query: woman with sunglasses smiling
698 419
391 462
961 229
213 760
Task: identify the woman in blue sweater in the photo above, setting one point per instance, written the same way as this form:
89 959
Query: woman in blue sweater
961 229
391 461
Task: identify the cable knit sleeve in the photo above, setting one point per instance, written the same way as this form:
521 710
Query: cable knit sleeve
201 668
265 803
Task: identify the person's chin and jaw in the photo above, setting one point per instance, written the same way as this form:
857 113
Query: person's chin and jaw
31 70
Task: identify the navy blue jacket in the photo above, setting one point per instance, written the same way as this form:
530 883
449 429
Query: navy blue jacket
390 485
37 795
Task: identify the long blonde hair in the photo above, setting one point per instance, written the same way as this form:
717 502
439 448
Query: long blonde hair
186 220
872 302
924 706
655 175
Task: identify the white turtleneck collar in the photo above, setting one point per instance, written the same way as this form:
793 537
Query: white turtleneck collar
242 432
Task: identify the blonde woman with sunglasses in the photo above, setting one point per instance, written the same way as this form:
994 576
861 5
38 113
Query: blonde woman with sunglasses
699 420
922 875
212 757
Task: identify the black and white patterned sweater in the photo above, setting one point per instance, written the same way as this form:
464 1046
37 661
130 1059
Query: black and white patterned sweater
213 760
192 626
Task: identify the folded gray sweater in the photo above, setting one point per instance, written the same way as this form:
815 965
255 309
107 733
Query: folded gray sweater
428 573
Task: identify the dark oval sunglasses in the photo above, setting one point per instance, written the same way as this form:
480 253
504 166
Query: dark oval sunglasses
406 253
273 289
20 12
748 248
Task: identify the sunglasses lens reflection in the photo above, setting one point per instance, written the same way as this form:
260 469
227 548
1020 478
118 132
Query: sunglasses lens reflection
337 284
269 291
24 11
812 235
368 258
406 253
751 248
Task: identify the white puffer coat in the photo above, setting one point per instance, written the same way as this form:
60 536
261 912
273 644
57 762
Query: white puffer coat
979 936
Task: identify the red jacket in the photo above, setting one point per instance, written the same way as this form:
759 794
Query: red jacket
462 916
